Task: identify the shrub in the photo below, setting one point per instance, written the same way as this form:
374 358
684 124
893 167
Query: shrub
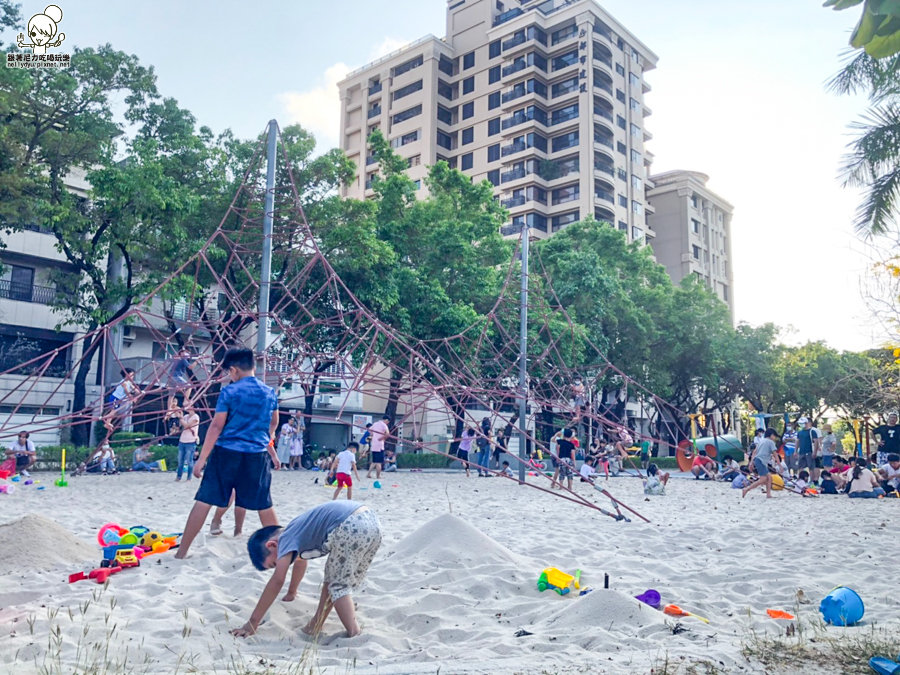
406 460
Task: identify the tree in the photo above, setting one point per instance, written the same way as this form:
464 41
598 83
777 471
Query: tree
878 30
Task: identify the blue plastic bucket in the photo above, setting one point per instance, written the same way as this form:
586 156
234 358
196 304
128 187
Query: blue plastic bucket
842 607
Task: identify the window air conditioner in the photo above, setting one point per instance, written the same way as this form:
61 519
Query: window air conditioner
325 399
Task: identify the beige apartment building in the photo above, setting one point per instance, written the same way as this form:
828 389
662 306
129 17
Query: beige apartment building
693 231
545 99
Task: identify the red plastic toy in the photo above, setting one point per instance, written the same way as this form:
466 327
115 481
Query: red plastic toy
100 575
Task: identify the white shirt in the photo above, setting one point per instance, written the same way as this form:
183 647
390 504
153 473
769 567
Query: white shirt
346 460
125 388
29 447
586 470
893 475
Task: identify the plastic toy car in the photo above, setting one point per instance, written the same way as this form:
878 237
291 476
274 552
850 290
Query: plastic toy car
556 579
127 558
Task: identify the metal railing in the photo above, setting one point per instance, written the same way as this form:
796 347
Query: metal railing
514 41
13 290
375 88
508 15
605 196
515 174
34 227
515 67
565 117
562 91
602 140
604 86
567 196
373 112
371 159
605 168
603 112
507 230
603 58
369 184
512 202
568 35
518 92
512 148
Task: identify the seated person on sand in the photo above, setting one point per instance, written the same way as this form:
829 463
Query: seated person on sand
353 535
742 480
780 466
730 468
656 481
863 483
802 481
506 471
142 456
102 460
703 466
23 451
828 485
840 472
390 461
889 473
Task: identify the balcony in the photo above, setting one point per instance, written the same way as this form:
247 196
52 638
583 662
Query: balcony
568 35
374 112
566 196
375 88
562 91
12 290
515 41
513 148
34 227
515 174
604 140
565 117
515 67
518 92
605 86
513 202
521 118
603 58
508 16
605 196
509 230
371 159
605 168
603 112
369 184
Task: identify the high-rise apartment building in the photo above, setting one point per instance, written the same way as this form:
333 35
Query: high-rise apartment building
693 231
545 99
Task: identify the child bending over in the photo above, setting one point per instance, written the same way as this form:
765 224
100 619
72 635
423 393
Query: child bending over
347 532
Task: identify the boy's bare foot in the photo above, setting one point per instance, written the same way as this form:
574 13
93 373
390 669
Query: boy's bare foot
289 597
215 529
307 629
744 492
237 532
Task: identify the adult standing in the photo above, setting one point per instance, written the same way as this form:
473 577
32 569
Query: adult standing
24 452
285 440
484 448
888 439
378 434
759 463
830 446
187 442
790 447
807 446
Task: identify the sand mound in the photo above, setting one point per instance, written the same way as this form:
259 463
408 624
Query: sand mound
451 539
607 609
36 542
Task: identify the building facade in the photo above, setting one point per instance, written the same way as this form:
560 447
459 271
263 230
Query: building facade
693 231
543 99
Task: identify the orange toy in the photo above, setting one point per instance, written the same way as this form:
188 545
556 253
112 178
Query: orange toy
778 614
675 610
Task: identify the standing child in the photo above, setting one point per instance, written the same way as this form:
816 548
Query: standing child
465 447
344 463
347 532
297 445
187 442
238 450
763 454
379 433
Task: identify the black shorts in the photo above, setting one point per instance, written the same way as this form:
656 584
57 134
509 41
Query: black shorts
462 455
249 474
22 460
377 457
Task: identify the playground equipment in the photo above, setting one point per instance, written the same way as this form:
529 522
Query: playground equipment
62 478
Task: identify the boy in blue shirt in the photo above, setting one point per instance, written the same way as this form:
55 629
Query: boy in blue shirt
346 531
237 447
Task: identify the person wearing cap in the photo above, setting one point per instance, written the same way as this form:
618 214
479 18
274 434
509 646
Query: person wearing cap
789 440
888 439
808 443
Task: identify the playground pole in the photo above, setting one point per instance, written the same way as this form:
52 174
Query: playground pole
523 356
262 335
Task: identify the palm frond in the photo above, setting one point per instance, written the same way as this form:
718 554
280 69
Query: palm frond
880 78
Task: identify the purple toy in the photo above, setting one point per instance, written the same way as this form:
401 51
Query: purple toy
650 597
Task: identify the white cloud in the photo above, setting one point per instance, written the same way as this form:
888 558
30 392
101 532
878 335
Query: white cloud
319 109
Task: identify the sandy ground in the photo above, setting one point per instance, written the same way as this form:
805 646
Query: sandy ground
447 593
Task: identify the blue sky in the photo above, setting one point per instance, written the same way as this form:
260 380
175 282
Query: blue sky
738 94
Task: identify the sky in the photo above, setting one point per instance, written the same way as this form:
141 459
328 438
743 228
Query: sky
738 94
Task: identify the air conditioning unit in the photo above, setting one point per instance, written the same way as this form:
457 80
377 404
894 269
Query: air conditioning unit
325 399
129 334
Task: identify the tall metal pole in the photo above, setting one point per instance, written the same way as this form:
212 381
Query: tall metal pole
262 336
523 357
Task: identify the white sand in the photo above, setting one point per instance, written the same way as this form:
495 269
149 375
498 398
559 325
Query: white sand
447 591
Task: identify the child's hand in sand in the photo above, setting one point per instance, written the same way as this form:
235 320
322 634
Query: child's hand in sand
246 630
289 597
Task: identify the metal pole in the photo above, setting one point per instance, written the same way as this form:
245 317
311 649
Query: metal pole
262 336
523 357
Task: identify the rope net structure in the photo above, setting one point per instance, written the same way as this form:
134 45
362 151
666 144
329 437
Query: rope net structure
319 327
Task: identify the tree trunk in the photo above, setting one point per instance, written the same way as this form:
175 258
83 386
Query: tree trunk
81 429
310 398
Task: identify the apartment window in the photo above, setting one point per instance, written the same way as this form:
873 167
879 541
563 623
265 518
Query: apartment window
620 43
468 135
493 153
444 140
569 140
445 90
569 193
408 89
407 114
536 221
565 114
466 161
621 122
635 130
444 115
695 225
406 139
623 226
564 87
494 177
561 221
635 157
634 80
409 65
469 61
636 57
17 283
620 69
536 141
621 148
494 126
637 234
494 100
695 251
418 183
636 182
694 201
494 49
494 75
637 207
623 201
634 104
564 61
620 172
468 85
445 65
468 110
563 34
725 293
415 160
620 95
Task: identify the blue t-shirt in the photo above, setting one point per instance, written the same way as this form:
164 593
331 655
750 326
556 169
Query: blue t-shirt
249 404
805 439
306 534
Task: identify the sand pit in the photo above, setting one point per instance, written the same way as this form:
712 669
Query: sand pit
449 539
608 610
36 542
